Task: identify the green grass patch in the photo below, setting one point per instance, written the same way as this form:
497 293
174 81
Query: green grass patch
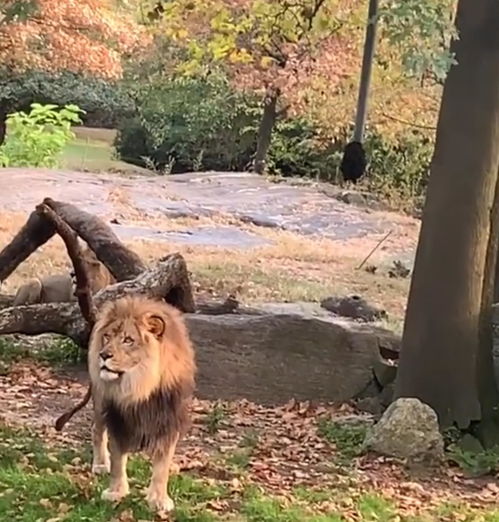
95 155
475 464
348 438
58 352
40 483
215 418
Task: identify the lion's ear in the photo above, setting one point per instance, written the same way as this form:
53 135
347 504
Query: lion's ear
156 325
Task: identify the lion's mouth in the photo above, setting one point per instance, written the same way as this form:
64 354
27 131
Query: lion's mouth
108 374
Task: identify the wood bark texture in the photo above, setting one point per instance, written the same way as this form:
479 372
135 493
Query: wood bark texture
438 361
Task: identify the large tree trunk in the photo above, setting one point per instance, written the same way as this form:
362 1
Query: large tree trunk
441 336
487 386
265 130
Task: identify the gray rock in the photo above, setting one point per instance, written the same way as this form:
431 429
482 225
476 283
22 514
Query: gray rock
470 444
272 357
409 430
370 405
354 307
385 371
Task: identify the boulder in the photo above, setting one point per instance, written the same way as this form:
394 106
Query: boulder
354 307
409 430
278 352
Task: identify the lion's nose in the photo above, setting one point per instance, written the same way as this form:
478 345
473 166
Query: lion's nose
105 355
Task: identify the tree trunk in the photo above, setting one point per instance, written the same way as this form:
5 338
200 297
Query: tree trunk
487 386
438 362
265 130
3 123
66 318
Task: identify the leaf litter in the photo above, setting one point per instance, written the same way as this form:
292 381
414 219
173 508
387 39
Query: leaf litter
279 451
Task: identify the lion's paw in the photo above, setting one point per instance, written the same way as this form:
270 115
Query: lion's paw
115 495
160 502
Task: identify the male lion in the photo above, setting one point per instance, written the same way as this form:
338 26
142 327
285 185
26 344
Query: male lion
142 368
60 288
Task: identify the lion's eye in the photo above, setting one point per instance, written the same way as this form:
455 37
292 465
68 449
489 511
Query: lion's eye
105 338
128 340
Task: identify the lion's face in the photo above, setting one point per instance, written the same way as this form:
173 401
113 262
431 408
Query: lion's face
128 346
137 346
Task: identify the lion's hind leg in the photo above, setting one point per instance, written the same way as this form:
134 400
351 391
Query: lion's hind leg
157 492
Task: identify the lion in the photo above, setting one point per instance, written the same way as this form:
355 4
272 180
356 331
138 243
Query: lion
60 287
142 368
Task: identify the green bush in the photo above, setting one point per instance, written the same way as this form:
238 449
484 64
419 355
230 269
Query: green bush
190 124
298 149
105 103
399 168
37 138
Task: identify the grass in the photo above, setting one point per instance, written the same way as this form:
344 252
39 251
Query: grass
42 482
93 152
55 352
347 438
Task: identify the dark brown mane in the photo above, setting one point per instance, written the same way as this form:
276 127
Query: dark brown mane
151 424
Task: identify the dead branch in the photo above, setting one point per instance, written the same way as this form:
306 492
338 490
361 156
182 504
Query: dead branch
32 235
120 260
164 281
68 235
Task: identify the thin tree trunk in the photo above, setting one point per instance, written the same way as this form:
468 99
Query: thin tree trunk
3 123
438 362
365 75
265 130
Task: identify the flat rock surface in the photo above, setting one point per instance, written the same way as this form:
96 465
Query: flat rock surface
245 197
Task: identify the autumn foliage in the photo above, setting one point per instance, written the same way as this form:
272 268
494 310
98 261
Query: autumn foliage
82 36
279 45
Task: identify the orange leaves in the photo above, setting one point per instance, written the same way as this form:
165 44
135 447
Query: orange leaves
84 36
282 45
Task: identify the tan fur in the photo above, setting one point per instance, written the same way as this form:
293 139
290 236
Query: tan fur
147 343
60 287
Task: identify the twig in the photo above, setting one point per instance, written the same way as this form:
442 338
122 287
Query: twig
380 242
410 124
70 238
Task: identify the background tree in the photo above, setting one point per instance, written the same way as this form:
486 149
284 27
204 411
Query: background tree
269 48
88 37
440 362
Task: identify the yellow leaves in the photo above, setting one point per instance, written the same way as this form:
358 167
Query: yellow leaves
266 61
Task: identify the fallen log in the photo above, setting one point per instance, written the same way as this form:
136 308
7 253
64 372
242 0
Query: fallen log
166 280
36 232
122 262
68 235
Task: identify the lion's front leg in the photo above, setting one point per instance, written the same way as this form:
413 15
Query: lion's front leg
157 492
100 452
118 487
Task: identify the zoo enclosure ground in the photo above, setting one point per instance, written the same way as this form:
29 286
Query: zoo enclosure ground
240 462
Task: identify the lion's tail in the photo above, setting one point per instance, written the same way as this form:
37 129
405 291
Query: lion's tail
63 419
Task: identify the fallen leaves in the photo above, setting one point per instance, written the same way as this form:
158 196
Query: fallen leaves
277 450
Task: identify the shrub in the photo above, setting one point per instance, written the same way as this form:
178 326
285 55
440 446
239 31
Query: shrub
105 103
37 138
399 168
192 124
204 124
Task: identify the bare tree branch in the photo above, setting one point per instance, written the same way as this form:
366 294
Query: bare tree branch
83 292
